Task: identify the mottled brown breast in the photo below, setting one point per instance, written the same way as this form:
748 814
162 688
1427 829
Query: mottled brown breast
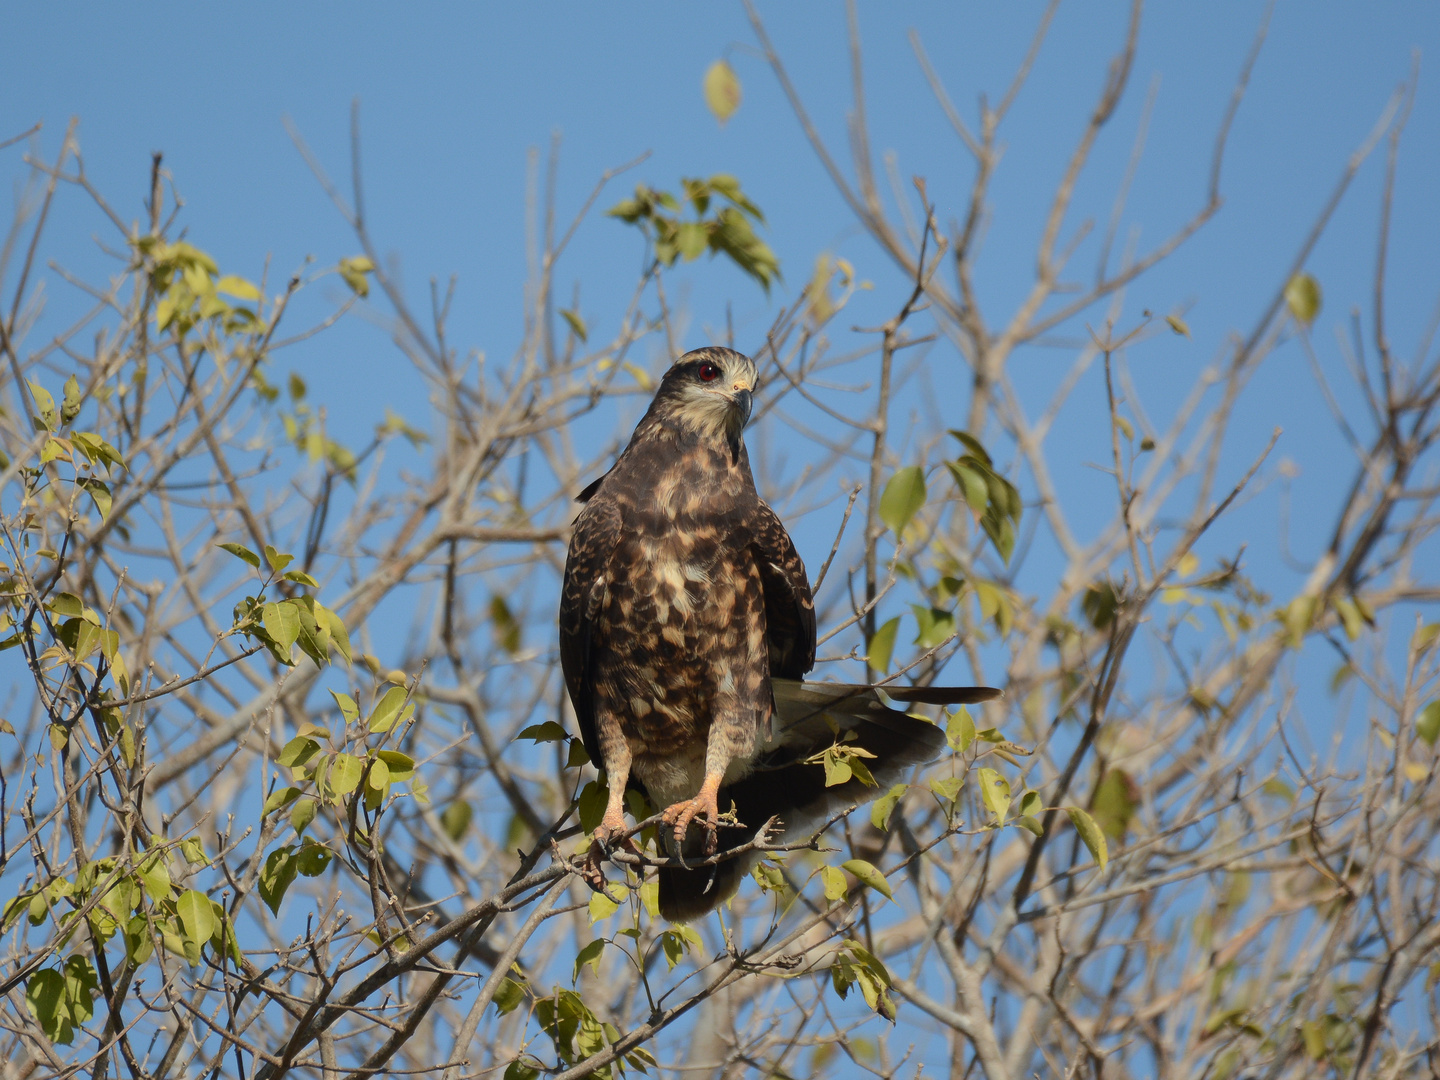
679 636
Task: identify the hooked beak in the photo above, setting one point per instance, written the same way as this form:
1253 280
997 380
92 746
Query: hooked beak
744 402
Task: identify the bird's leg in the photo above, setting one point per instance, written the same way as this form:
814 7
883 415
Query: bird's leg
617 773
704 808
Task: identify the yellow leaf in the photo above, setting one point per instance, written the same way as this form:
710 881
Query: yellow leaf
1178 325
722 90
1188 564
1090 833
1302 296
237 287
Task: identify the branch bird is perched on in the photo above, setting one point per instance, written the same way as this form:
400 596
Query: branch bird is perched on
686 624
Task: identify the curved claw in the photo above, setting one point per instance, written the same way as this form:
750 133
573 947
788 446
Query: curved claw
603 843
703 810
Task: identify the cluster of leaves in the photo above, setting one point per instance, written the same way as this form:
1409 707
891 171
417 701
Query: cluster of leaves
305 429
853 965
995 503
578 1035
280 625
727 230
348 772
191 290
135 899
85 451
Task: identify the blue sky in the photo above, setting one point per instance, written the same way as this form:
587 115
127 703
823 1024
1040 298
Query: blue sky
453 97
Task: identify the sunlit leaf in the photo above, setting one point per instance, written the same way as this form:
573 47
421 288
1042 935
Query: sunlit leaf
995 794
1090 833
903 496
882 645
868 874
196 915
1302 297
722 90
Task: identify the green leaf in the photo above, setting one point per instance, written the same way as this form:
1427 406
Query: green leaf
348 709
722 91
45 406
885 806
378 778
882 645
577 324
549 731
456 818
67 605
904 495
196 915
602 906
834 882
281 796
99 493
276 875
277 560
238 287
676 942
590 954
947 787
401 766
240 551
303 814
297 752
155 876
508 996
960 730
388 708
995 794
282 623
301 578
1090 833
1276 788
332 625
354 272
70 407
936 625
194 851
1302 297
1114 803
519 1069
1427 724
312 859
973 445
868 874
345 773
45 997
972 485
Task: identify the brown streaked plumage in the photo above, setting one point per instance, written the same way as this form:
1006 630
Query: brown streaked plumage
686 623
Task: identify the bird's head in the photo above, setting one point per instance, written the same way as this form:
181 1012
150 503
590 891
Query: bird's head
709 391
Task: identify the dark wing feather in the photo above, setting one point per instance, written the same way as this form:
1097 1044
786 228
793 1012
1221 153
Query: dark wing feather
789 607
588 491
597 532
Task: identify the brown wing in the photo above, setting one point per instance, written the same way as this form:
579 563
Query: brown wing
789 607
597 532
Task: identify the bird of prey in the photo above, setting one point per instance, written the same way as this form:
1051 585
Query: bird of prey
686 626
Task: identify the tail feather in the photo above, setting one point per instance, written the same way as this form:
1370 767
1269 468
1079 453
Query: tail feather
783 784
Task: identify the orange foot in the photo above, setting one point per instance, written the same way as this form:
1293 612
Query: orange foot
611 826
703 810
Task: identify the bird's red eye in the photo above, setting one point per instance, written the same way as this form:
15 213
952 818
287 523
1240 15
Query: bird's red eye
708 372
